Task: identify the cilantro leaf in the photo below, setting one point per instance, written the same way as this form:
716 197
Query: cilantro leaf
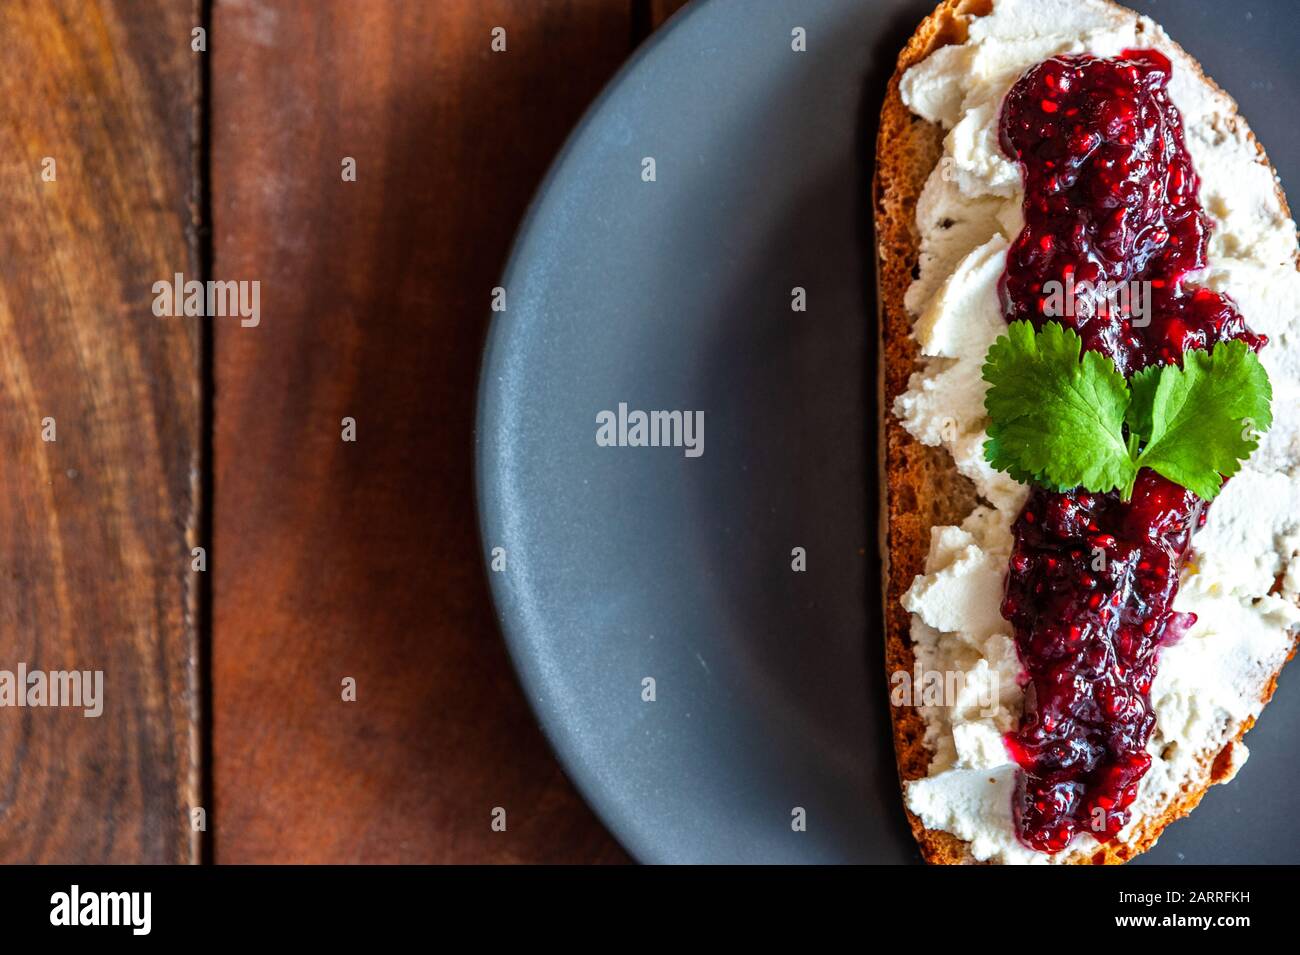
1143 387
1056 413
1203 419
1062 418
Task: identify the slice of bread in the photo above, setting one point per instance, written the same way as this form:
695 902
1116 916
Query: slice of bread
920 487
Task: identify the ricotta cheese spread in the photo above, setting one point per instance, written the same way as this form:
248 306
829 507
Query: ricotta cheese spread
1209 683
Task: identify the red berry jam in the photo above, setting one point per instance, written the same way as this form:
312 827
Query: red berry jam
1111 199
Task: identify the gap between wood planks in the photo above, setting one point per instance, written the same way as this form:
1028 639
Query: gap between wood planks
649 15
207 409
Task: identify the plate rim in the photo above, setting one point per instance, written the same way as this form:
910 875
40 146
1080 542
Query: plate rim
551 726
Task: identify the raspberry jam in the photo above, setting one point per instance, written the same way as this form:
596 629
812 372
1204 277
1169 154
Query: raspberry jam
1110 197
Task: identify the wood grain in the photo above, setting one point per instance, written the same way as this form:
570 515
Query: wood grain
661 10
96 525
362 560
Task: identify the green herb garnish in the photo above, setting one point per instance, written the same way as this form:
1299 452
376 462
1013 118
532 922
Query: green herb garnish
1064 418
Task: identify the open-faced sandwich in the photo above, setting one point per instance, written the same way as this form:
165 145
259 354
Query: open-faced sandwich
1091 462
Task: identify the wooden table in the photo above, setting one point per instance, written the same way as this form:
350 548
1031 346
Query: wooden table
324 560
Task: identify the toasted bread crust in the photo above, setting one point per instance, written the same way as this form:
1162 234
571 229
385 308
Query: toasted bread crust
920 487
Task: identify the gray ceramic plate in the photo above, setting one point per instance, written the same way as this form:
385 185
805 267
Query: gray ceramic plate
627 563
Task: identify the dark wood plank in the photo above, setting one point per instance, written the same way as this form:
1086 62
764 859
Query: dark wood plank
96 526
362 560
661 10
